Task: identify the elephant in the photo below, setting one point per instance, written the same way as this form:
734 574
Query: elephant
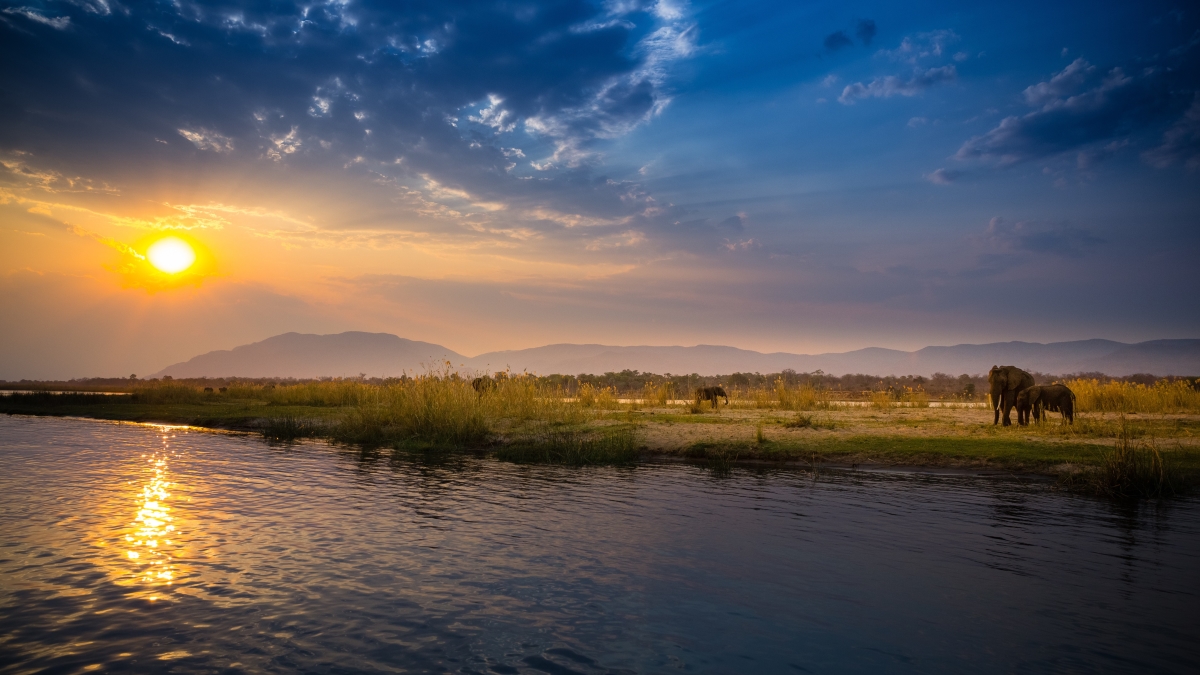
1005 382
1045 399
482 384
711 394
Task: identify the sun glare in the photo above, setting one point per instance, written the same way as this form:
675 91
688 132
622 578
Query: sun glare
171 255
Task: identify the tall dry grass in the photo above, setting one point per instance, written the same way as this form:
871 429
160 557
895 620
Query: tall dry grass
1178 396
1131 470
881 400
781 396
660 395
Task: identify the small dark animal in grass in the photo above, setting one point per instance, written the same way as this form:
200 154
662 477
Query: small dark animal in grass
1005 382
223 389
711 394
1047 398
208 390
482 384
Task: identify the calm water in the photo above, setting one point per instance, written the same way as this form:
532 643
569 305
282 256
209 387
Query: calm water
145 549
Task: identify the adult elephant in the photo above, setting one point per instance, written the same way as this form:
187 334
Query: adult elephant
1046 399
711 394
1005 382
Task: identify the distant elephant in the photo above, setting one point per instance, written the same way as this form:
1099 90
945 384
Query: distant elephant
1047 398
482 384
711 394
1005 382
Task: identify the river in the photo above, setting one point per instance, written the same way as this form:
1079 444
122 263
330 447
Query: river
140 548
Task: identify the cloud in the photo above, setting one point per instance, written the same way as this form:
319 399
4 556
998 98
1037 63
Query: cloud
1057 239
1180 142
943 176
865 31
1065 83
1080 108
208 140
737 222
59 22
351 88
922 46
836 40
887 87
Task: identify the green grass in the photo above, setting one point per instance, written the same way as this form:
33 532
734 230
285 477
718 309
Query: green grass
521 420
1002 453
573 447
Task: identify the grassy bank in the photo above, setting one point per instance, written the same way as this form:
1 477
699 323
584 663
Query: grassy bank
527 419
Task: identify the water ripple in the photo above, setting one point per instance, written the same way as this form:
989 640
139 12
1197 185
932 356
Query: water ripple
317 559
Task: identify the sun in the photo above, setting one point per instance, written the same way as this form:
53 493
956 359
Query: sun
171 255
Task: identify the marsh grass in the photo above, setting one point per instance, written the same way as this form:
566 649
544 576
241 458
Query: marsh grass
1177 396
720 457
881 400
572 446
290 428
1131 470
780 396
603 398
659 395
170 393
915 398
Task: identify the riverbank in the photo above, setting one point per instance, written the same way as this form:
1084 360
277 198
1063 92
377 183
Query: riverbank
933 437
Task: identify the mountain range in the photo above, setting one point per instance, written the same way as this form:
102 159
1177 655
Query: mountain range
384 355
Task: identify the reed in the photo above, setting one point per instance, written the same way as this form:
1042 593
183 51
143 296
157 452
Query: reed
660 395
1134 470
881 400
915 398
1177 396
289 428
169 393
603 398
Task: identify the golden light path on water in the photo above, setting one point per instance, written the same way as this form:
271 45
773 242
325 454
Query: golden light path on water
150 545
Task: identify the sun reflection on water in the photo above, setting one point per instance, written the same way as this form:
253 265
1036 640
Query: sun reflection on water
149 544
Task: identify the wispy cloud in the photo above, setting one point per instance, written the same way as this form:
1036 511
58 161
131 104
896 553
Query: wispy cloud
59 22
205 139
892 85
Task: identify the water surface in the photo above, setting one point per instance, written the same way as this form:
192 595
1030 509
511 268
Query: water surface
129 548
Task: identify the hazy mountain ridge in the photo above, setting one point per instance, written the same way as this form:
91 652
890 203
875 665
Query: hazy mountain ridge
385 355
305 355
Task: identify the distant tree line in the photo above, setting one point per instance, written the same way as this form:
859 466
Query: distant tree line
630 382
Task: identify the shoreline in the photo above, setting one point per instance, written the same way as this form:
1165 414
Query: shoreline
923 440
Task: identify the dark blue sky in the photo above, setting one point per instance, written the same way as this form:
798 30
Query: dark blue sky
792 176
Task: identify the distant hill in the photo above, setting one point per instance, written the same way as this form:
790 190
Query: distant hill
385 355
1160 357
303 355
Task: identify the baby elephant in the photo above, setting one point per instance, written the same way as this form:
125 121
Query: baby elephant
711 394
1046 398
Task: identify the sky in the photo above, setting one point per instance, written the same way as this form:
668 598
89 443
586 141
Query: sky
777 176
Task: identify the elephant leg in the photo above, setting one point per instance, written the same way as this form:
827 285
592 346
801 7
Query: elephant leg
1008 406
